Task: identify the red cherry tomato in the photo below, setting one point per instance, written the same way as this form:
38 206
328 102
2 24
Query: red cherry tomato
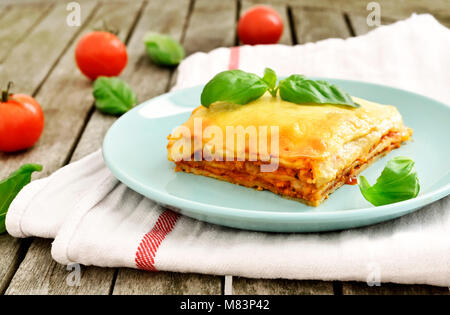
260 25
21 122
101 54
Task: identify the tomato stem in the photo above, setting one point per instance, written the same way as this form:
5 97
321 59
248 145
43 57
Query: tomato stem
5 94
105 27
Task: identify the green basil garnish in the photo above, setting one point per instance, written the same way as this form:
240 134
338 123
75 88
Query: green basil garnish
270 78
163 49
234 86
239 87
10 187
300 90
113 96
397 182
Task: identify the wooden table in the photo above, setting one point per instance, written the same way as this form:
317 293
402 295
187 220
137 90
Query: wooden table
36 52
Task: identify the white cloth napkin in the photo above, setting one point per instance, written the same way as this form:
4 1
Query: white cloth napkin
96 220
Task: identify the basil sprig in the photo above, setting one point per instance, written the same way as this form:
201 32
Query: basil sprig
397 182
300 90
233 86
270 78
113 96
163 49
239 87
10 187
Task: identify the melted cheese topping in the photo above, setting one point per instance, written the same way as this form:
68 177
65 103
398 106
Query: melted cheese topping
312 131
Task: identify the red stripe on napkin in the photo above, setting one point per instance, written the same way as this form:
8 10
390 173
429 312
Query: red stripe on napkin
146 252
234 58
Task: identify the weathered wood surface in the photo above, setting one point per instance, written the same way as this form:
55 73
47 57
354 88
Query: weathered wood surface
26 266
11 250
143 282
211 25
359 26
40 59
312 25
358 288
245 286
40 274
16 22
396 9
67 99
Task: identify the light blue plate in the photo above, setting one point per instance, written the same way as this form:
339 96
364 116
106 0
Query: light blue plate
135 151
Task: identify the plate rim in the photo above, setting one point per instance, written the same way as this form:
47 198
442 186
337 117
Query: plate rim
255 214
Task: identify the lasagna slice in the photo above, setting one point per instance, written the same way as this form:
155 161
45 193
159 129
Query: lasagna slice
313 149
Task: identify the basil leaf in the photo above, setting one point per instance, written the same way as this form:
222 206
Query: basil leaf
163 49
2 223
397 182
270 78
10 187
234 86
300 90
113 96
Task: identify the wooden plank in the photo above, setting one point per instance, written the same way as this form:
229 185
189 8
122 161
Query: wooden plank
15 2
286 38
39 274
41 60
313 25
246 286
66 98
130 281
360 27
212 24
391 289
388 7
30 62
443 19
20 2
10 249
17 22
359 24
